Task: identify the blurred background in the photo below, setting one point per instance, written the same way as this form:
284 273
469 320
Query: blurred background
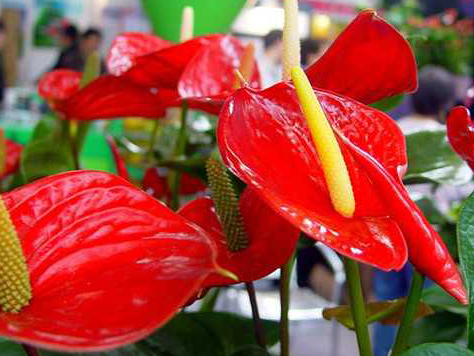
39 35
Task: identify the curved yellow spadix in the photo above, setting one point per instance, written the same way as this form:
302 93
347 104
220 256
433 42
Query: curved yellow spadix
15 288
291 38
333 164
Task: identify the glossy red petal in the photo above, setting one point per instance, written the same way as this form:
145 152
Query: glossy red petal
109 97
272 238
108 263
460 129
59 84
427 250
212 72
130 45
163 69
369 61
264 140
13 154
120 165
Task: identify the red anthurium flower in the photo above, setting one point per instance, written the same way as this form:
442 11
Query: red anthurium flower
200 70
272 239
58 85
12 154
460 131
156 184
264 139
108 264
110 97
129 45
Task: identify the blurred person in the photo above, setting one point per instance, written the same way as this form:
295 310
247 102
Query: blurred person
311 50
435 96
70 55
90 41
271 58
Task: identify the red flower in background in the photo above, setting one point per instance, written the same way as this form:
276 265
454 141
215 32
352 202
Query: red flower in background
460 131
12 157
120 164
264 139
108 264
200 70
272 239
58 85
129 45
155 183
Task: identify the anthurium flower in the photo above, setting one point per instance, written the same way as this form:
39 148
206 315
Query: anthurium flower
108 264
155 183
58 85
201 71
12 157
129 45
460 131
272 239
264 139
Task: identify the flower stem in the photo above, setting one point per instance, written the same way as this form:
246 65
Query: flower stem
180 147
358 307
285 278
409 313
152 141
257 322
209 301
30 350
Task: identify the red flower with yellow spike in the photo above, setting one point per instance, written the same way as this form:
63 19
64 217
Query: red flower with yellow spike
89 262
348 192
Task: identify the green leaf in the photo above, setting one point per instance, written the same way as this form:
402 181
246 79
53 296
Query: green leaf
431 159
45 157
438 350
10 348
131 350
209 334
466 256
437 298
388 104
439 327
251 351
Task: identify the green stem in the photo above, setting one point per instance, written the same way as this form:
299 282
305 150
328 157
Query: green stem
152 142
180 147
358 307
209 301
285 278
409 314
257 322
66 133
